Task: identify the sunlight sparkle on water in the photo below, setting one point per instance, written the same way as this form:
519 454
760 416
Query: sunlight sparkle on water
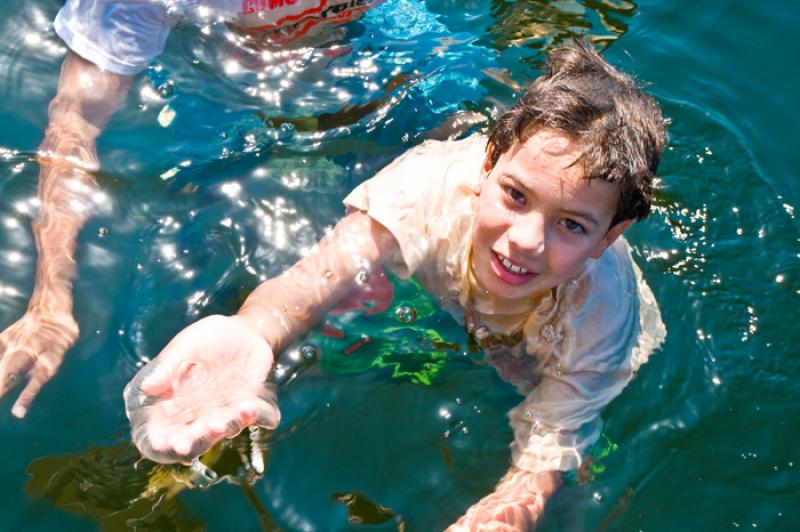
14 256
32 39
26 207
100 198
231 190
149 94
196 297
168 251
7 290
232 67
293 181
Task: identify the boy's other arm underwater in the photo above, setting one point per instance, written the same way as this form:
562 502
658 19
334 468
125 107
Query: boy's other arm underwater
517 502
34 345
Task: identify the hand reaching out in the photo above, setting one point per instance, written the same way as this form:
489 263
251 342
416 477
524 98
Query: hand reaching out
208 384
34 347
210 381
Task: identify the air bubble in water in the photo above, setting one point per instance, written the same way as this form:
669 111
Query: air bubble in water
166 89
406 314
103 231
287 131
308 352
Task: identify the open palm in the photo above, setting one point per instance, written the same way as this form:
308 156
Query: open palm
208 383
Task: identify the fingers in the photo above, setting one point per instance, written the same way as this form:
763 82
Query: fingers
7 381
13 366
156 377
180 353
29 393
268 415
214 342
170 444
33 347
163 439
43 370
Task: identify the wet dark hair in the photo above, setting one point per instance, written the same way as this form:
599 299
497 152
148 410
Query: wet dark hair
619 129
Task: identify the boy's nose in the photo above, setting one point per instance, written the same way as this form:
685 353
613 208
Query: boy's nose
528 235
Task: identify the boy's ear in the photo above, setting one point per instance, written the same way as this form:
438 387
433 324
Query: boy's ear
487 161
613 234
486 167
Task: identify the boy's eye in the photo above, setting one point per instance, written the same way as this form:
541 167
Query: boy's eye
572 226
515 195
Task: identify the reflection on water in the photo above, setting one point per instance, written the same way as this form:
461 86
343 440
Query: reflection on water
30 51
116 489
541 24
17 210
362 511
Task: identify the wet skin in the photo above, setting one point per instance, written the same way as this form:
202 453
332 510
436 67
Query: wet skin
538 220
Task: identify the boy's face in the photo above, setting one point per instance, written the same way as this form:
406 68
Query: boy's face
538 220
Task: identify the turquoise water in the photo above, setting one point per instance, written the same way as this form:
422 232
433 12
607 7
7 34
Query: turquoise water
238 184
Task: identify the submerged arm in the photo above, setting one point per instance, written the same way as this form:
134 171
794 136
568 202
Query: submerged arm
211 380
517 503
286 306
34 346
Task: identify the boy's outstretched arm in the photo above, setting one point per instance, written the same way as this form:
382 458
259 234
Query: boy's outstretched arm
288 305
34 346
517 503
211 380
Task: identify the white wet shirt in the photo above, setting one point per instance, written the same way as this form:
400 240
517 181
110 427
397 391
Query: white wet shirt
570 352
122 37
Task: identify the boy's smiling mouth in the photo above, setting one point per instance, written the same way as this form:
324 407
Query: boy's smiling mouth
509 272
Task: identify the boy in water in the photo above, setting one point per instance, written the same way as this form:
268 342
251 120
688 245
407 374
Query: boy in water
111 41
518 235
